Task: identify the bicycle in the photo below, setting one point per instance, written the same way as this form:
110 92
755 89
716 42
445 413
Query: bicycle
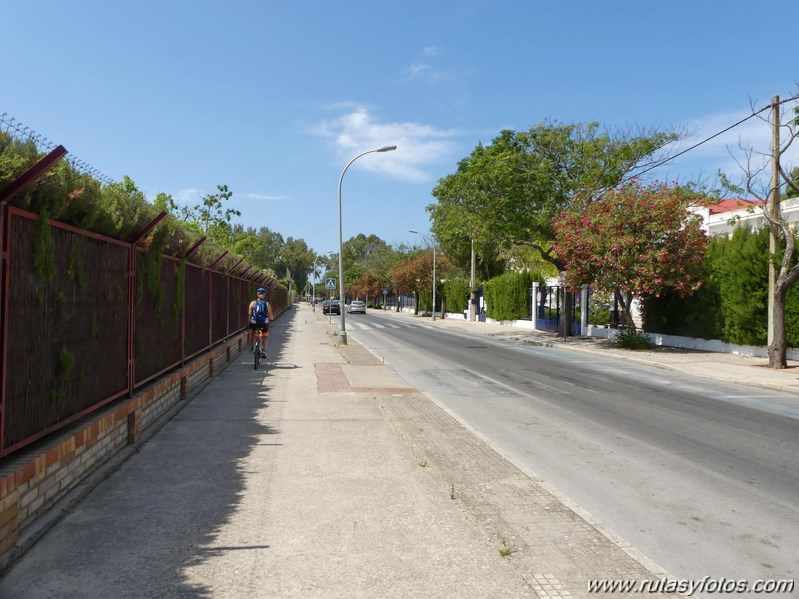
259 335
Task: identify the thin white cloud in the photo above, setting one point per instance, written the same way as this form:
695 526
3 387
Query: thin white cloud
416 70
427 70
723 152
188 196
193 197
259 196
418 145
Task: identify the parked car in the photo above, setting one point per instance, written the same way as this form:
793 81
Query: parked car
356 307
331 307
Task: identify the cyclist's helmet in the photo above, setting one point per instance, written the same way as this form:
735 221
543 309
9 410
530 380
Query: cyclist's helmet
261 290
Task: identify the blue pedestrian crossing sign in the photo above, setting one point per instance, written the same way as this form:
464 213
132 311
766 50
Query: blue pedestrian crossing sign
330 283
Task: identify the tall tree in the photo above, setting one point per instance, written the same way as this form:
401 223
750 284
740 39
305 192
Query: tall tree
414 274
369 253
767 191
361 248
635 240
456 229
513 187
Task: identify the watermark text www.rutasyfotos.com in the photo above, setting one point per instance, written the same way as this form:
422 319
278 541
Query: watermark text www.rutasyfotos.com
704 585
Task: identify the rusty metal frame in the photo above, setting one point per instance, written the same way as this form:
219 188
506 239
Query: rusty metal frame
180 361
230 270
37 170
43 165
194 247
148 227
214 263
8 213
132 297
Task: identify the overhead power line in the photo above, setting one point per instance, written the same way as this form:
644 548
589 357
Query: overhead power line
704 141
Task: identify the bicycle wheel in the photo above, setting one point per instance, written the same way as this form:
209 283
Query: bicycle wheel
257 353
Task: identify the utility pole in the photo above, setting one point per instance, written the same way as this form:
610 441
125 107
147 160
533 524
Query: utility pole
472 298
774 211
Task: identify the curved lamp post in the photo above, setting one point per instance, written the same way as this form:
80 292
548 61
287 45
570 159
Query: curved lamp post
343 332
433 245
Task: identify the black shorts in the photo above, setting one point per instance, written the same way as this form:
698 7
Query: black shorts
264 326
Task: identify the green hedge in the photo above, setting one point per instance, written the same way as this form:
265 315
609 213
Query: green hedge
732 304
508 296
456 295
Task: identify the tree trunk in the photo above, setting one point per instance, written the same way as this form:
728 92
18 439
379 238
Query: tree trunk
778 349
627 301
567 314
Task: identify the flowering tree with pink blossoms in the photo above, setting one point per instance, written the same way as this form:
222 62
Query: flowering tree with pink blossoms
634 240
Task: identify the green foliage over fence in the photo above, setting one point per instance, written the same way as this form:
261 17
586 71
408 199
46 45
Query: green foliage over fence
508 296
732 304
119 210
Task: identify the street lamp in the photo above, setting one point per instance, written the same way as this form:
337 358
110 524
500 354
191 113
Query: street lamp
343 332
433 245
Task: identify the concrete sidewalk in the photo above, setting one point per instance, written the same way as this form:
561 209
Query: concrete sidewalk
321 476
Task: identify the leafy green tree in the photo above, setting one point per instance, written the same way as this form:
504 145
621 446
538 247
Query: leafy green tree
295 257
246 243
270 246
636 240
210 217
369 253
792 191
456 229
363 250
513 187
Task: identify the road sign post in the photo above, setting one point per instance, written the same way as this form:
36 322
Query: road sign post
330 285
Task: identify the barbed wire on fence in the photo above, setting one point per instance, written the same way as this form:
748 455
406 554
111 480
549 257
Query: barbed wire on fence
20 132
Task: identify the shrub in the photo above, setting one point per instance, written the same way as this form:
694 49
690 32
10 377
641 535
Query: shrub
456 295
508 295
629 338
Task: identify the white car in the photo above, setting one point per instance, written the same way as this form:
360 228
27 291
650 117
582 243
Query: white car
356 307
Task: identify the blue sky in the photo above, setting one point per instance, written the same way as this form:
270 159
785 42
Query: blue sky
274 98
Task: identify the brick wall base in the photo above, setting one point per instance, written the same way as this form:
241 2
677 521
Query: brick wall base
63 468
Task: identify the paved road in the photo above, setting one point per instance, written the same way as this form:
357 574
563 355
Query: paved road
691 471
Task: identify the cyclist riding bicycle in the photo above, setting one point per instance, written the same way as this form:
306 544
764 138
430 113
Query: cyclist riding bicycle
259 314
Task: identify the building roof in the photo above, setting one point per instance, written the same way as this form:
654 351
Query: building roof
732 204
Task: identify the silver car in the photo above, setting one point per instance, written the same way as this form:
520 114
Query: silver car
356 307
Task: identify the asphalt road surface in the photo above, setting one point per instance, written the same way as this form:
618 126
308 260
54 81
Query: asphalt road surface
701 476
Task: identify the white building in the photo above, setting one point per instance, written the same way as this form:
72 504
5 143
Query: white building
722 218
